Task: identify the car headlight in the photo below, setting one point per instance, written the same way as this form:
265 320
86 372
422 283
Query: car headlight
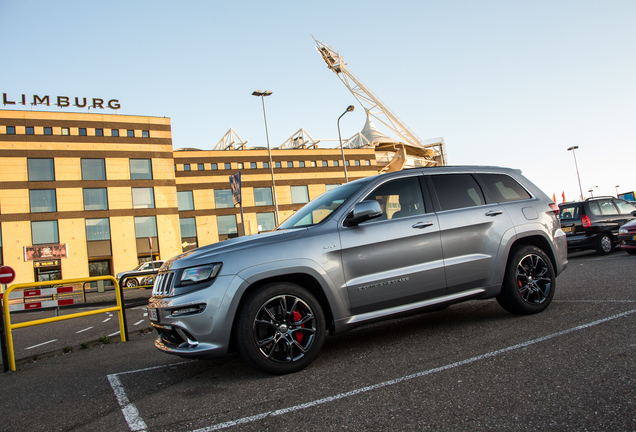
195 275
622 231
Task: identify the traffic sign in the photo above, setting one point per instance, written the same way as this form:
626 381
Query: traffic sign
7 275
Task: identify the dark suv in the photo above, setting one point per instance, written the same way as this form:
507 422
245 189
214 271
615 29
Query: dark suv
594 223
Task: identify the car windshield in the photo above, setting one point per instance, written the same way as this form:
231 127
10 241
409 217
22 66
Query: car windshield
317 210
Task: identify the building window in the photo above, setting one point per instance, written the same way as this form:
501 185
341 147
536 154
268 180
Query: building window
314 164
95 199
66 131
42 200
300 194
186 167
290 164
143 198
185 200
29 130
41 169
240 165
200 167
10 130
265 164
145 226
82 131
99 132
145 134
213 166
347 163
335 163
265 222
277 165
140 169
48 131
93 169
252 165
228 166
324 163
188 227
114 132
227 227
97 229
330 186
367 162
301 164
44 232
223 198
130 133
263 196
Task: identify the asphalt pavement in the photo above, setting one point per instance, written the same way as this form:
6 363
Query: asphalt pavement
471 367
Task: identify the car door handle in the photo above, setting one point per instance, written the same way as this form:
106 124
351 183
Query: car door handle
422 224
494 213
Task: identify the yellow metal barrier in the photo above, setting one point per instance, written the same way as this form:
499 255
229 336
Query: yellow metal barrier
7 319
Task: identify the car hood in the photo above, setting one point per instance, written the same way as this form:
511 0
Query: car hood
630 224
209 253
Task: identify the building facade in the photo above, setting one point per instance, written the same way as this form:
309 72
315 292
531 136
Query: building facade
95 194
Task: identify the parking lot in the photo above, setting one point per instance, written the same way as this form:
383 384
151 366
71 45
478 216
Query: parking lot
471 366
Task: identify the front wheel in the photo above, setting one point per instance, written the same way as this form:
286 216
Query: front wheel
280 328
131 283
529 282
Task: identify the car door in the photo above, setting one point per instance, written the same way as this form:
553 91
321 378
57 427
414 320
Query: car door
471 230
396 258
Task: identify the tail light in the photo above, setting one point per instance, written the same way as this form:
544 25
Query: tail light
586 221
554 208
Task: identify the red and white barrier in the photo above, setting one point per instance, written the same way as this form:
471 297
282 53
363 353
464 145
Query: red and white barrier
41 305
38 293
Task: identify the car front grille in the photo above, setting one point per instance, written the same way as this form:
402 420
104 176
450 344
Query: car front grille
163 284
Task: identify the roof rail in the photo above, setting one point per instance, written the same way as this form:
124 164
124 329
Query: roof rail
598 197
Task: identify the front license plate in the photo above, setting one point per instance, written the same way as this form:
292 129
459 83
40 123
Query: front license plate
152 315
566 229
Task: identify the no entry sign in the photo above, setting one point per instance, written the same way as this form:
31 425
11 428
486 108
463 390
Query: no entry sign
7 274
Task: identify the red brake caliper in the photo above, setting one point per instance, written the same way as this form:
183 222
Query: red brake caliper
296 316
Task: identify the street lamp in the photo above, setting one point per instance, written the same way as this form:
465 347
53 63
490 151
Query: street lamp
616 187
577 168
344 163
591 191
262 95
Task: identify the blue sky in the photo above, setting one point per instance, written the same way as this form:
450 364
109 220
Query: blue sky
507 83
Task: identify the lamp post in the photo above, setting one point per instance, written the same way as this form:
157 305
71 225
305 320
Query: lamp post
577 168
591 191
344 163
616 187
262 95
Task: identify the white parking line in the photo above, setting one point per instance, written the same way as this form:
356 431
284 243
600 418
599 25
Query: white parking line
139 322
113 334
107 319
88 328
43 343
136 423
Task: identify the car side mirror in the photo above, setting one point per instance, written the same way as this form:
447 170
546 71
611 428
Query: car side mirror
362 212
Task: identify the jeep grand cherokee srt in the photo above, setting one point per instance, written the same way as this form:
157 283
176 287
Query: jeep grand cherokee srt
376 248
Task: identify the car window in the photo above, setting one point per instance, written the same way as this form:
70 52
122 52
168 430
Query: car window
595 209
398 198
624 207
569 212
504 188
607 207
457 191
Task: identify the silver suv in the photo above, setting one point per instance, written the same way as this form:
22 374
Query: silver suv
376 248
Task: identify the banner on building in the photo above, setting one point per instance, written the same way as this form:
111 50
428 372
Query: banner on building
235 185
45 252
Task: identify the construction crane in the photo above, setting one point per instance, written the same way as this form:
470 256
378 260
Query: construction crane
429 153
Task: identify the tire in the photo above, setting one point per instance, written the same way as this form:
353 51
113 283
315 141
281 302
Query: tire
280 328
131 283
631 251
529 282
605 244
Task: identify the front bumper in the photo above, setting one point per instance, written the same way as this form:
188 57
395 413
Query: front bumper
201 334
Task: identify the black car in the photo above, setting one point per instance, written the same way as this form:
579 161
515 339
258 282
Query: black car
594 223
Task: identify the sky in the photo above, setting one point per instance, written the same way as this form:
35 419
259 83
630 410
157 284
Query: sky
507 83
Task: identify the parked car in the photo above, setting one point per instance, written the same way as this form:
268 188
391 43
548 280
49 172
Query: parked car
380 247
627 236
594 223
134 281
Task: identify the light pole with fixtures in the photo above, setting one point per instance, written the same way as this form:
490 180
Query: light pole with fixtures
591 191
344 163
577 168
616 187
262 95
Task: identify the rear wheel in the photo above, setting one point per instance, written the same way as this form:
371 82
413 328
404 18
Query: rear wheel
280 328
529 282
605 244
